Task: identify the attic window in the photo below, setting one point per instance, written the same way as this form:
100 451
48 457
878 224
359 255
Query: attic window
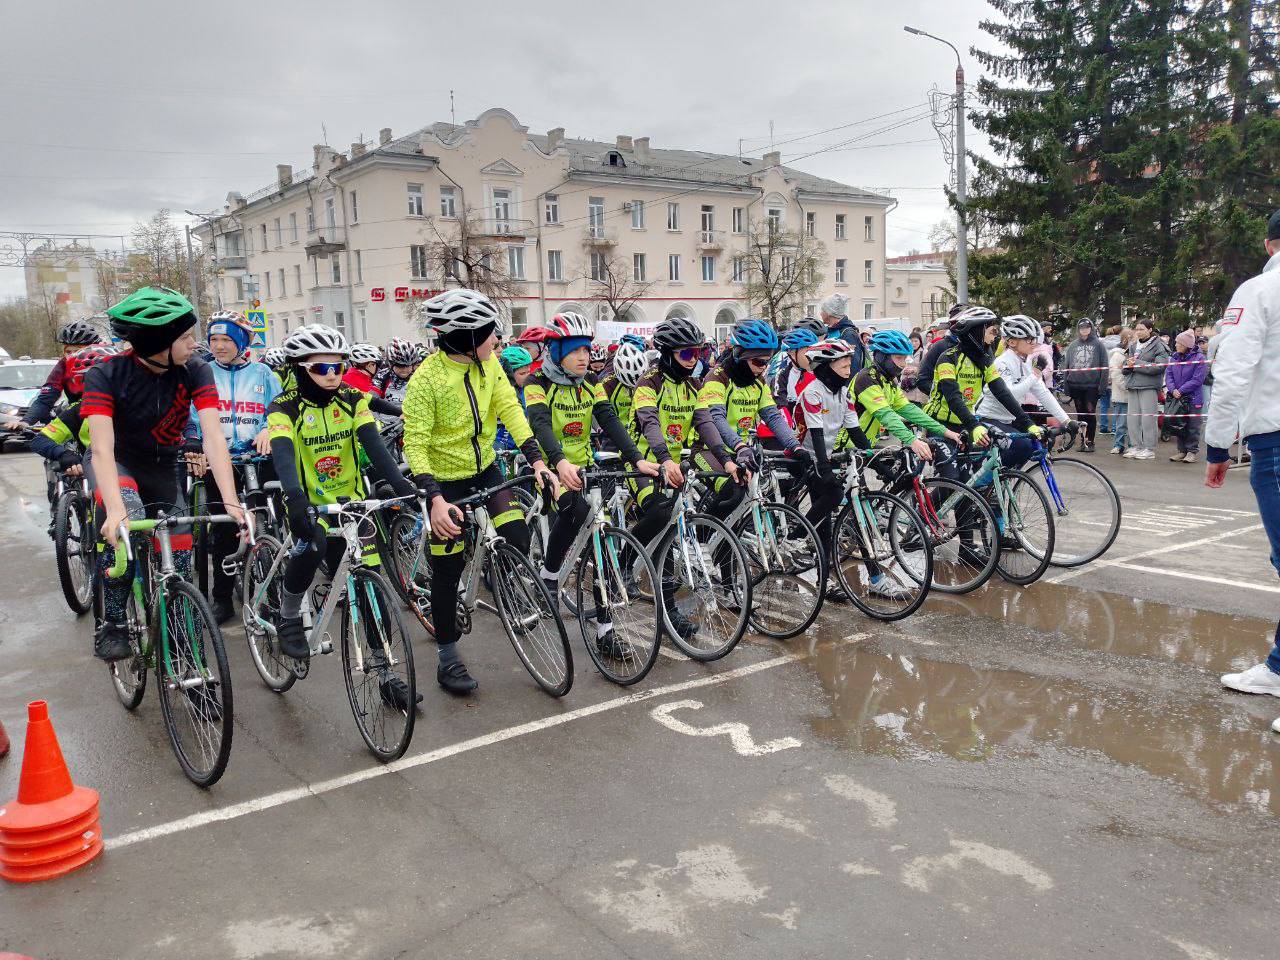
614 159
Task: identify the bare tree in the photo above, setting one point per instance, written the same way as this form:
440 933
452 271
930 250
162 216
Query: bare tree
613 283
158 258
781 270
470 253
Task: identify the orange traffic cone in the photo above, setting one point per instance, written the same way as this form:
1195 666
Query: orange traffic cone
52 828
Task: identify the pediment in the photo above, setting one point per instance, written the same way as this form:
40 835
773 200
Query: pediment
502 168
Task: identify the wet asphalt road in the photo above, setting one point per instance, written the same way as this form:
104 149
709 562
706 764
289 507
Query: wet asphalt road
1048 772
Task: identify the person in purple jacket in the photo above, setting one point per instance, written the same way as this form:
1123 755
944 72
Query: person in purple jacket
1184 379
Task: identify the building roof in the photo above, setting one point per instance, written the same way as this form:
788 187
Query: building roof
935 258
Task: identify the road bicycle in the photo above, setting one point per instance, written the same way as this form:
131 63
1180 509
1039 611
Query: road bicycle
172 630
73 540
1086 504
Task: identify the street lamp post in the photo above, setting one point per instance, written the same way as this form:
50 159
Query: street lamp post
962 227
217 287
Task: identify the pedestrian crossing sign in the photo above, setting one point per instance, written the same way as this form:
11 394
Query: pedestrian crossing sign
257 321
259 340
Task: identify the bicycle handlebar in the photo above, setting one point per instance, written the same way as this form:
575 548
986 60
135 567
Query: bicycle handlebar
127 527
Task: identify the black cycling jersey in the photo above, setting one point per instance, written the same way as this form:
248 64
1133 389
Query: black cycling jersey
150 410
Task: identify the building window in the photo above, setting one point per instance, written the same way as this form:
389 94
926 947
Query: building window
868 228
868 310
284 291
810 309
297 279
515 262
362 326
788 268
239 283
355 208
415 199
708 269
840 270
739 269
278 233
868 269
359 267
293 228
638 267
340 322
774 216
519 320
637 214
315 272
330 217
739 220
418 260
595 217
673 267
841 233
268 276
810 224
264 238
448 208
708 220
673 216
598 269
335 268
502 211
555 265
311 219
551 208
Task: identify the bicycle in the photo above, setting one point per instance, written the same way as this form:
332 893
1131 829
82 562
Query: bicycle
1023 514
377 655
1086 504
73 539
613 575
521 602
172 630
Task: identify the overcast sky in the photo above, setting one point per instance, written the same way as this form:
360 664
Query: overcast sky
112 112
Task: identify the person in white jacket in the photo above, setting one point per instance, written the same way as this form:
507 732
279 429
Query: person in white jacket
1119 392
1246 403
1022 336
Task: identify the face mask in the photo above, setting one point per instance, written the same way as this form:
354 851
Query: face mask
311 391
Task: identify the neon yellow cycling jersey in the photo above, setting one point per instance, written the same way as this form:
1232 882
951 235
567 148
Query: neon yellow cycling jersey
324 440
742 405
571 413
881 405
451 414
954 365
68 426
675 403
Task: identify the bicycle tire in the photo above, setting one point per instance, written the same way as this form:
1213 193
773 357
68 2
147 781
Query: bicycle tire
952 571
1108 489
128 676
366 684
274 668
71 550
1017 481
889 547
645 640
760 559
211 708
737 600
408 568
524 605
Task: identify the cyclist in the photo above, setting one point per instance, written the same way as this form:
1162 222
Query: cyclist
451 412
1022 336
562 401
317 430
138 404
785 383
882 405
274 357
599 360
75 336
245 389
963 369
65 439
532 339
517 364
361 368
629 365
402 359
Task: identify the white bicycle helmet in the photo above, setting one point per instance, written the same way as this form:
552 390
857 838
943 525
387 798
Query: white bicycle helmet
365 353
599 353
274 357
401 353
629 364
1021 327
314 338
460 309
828 351
570 324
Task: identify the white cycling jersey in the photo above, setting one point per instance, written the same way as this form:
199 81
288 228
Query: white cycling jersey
1022 379
826 409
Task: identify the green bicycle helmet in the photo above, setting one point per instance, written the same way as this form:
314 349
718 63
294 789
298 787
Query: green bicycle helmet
152 318
513 359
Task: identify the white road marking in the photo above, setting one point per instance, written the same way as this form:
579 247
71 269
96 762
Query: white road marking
881 810
1194 950
258 804
918 873
739 734
1197 576
1170 548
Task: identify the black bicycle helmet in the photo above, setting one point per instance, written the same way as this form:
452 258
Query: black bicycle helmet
79 333
676 332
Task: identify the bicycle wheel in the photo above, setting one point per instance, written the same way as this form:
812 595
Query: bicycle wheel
883 557
1026 530
200 534
613 573
128 676
380 681
263 599
194 683
706 586
964 533
1086 510
73 539
531 620
787 568
409 571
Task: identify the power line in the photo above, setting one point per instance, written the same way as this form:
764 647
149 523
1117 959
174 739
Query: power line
176 153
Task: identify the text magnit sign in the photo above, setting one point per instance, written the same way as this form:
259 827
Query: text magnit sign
401 294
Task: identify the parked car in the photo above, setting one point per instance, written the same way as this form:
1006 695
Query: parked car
20 382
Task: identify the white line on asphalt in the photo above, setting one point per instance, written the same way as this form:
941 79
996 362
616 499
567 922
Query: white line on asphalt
1170 548
1197 576
282 797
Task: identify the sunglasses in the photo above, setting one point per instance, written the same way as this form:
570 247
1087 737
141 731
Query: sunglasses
325 369
688 353
758 363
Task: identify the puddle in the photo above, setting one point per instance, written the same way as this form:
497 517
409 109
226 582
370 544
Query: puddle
910 707
1114 623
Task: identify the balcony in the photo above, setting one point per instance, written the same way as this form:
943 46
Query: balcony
233 262
504 228
595 236
711 240
320 247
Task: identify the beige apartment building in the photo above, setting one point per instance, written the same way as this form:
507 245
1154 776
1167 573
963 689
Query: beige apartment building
919 286
350 242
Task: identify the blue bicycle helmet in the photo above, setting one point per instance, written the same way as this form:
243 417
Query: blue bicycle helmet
632 338
752 334
799 338
892 342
